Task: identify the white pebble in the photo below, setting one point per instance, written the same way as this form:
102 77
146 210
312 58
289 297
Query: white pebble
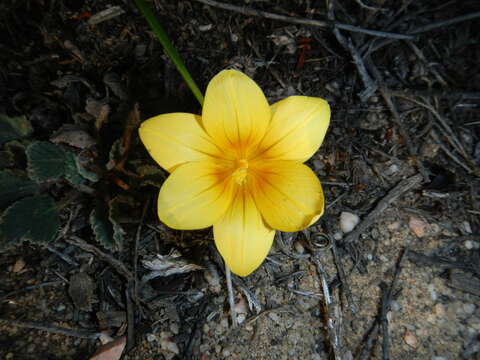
348 221
468 308
469 244
151 337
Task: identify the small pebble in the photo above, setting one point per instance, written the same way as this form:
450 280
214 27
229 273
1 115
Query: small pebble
467 227
224 323
241 318
348 221
432 292
395 305
241 307
225 352
61 307
205 27
151 337
394 226
469 308
410 339
469 244
439 358
274 317
417 226
299 248
338 235
9 356
439 310
174 328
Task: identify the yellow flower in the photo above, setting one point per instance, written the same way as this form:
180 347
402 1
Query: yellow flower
239 167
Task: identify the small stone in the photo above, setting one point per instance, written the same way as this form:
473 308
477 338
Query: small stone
469 245
205 27
469 308
417 226
224 323
206 328
394 226
9 356
274 317
395 305
467 227
61 307
241 318
299 248
225 353
432 292
410 339
174 328
439 310
439 358
234 37
348 221
338 235
241 307
151 337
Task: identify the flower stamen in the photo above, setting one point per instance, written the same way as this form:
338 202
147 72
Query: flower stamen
241 171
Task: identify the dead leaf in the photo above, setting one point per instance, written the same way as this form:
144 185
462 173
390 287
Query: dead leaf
166 265
19 265
417 226
73 136
81 291
111 351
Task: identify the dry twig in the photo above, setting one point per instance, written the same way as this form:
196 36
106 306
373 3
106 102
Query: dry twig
302 21
401 188
84 334
116 264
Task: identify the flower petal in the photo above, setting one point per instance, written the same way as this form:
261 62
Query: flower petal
235 112
298 126
287 193
173 139
195 195
241 236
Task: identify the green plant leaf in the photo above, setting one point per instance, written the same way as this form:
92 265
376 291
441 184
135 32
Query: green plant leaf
82 170
14 187
102 227
33 219
72 173
47 161
121 209
12 128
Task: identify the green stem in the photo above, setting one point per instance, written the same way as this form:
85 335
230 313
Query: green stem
169 48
